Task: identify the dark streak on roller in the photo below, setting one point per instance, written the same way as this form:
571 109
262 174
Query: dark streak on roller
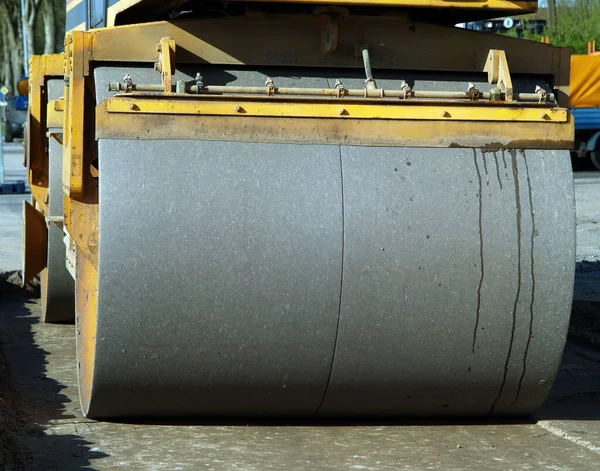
518 294
504 158
484 163
337 329
530 335
480 249
497 170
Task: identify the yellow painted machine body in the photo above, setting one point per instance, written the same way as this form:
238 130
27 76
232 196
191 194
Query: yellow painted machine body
374 37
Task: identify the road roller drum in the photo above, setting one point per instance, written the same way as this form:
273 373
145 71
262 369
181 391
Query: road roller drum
374 221
329 280
58 290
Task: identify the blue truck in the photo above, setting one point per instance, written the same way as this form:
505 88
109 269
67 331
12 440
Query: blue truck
16 117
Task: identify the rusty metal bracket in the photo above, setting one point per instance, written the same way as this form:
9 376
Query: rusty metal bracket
330 17
166 62
329 33
496 67
57 136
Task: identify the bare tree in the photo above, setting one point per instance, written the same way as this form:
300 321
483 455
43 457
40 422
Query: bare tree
12 47
40 16
29 14
49 28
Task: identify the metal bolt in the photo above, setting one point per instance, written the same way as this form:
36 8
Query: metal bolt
495 94
341 111
133 106
544 115
239 109
445 114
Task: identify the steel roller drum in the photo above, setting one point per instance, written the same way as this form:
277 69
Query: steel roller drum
267 279
58 287
281 280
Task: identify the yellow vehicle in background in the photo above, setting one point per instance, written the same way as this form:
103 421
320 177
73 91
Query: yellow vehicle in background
585 102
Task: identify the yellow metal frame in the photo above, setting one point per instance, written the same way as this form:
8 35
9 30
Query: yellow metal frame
516 7
268 107
41 68
81 192
36 155
86 300
166 62
213 47
513 7
55 113
394 43
335 130
35 237
77 52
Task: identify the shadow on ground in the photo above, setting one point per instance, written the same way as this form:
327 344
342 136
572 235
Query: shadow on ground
29 399
576 393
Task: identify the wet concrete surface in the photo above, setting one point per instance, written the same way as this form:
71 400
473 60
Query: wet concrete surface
40 399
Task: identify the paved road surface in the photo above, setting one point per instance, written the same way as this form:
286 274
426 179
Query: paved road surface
11 209
564 436
587 196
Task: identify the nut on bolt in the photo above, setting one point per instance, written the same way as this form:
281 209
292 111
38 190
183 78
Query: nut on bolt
340 89
473 91
405 87
495 94
270 85
541 93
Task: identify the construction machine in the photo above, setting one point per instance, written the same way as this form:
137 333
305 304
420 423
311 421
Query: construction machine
584 104
303 208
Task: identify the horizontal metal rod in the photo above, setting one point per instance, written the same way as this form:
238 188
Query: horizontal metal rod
327 92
